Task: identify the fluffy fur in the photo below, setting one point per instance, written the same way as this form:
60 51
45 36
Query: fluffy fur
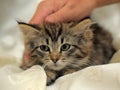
65 47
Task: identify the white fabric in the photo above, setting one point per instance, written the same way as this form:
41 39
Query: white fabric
106 77
13 78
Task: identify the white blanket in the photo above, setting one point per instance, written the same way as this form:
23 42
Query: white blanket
104 77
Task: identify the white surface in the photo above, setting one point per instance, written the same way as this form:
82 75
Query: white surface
93 78
13 78
106 77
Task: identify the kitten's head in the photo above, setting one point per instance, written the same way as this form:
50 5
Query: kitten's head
57 45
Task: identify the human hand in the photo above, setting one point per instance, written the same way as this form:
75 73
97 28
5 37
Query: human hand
55 11
62 10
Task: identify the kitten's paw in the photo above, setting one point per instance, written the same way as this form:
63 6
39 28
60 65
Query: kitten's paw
51 76
68 71
50 81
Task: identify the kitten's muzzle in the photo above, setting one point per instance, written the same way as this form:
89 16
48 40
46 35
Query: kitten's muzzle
55 56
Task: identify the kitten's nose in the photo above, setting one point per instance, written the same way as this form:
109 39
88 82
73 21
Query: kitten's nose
55 60
55 57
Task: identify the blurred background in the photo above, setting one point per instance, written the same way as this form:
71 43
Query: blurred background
11 41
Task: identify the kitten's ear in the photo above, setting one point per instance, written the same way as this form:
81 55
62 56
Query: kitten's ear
84 29
27 29
83 25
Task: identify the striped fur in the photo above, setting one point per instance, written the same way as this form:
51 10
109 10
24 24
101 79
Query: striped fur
65 48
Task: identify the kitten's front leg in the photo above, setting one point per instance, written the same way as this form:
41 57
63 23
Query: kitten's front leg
68 71
51 76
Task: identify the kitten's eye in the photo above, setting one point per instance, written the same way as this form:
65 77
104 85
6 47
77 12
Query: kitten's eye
44 48
32 44
65 47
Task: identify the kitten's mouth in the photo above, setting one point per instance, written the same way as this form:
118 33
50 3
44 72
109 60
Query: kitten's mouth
56 66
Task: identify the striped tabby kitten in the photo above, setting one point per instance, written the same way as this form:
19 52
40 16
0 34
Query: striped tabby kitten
65 48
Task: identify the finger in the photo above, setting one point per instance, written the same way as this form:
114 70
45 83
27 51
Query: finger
42 12
64 14
72 11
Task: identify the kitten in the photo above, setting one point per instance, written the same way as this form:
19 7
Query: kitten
65 47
